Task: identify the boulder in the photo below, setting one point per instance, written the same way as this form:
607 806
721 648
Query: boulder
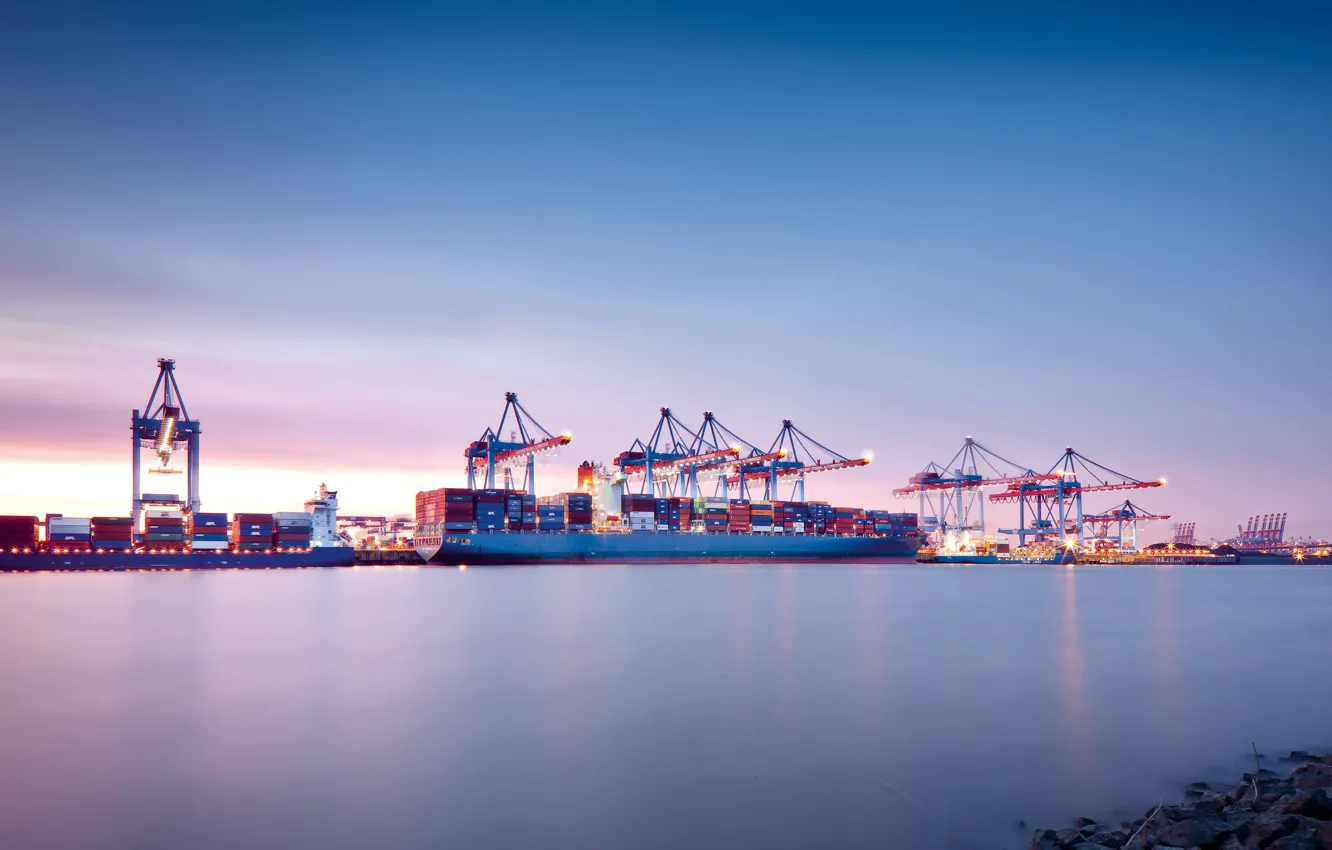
1107 839
1269 826
1200 831
1045 839
1310 776
1325 834
1312 804
1305 839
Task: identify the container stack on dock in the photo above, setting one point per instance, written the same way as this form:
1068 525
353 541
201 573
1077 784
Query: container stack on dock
18 533
208 531
252 532
71 534
292 530
164 530
112 532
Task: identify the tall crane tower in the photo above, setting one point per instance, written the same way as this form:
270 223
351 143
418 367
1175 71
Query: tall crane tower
164 427
528 439
792 455
1055 507
951 496
1121 517
670 449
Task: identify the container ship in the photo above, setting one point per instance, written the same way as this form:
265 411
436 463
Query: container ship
161 537
464 527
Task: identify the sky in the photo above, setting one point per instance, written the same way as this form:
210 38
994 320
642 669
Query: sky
355 226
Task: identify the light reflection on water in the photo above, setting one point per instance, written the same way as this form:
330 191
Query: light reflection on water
706 706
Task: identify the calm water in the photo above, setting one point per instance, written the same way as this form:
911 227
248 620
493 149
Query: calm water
581 707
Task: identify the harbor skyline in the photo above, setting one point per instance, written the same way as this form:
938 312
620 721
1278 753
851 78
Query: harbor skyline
1097 229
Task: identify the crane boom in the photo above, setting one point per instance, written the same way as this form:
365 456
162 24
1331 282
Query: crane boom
801 470
701 459
950 483
524 451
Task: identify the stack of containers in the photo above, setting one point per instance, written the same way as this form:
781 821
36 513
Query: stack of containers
252 532
844 521
490 510
715 513
112 532
578 510
661 513
679 514
459 509
760 518
797 518
910 522
738 521
208 531
292 530
820 517
550 517
862 526
18 532
529 512
164 529
71 534
779 524
639 512
429 504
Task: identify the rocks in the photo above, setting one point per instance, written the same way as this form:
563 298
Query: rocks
1312 804
1305 839
1194 832
1292 813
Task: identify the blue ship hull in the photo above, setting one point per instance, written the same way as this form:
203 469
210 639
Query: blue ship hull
324 556
525 547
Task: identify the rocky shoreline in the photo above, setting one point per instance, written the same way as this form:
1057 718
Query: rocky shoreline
1262 810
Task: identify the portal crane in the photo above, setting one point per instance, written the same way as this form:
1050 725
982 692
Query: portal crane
165 428
748 457
793 455
1129 514
1055 507
527 440
951 496
671 448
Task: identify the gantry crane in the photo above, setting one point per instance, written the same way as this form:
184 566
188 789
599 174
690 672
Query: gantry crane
1129 514
164 429
527 440
746 457
664 453
951 496
1055 506
791 456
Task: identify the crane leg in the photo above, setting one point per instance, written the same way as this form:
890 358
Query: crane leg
135 460
192 484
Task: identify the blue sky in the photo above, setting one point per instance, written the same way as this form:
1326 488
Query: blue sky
355 227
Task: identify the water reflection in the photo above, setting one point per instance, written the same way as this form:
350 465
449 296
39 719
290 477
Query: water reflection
645 707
